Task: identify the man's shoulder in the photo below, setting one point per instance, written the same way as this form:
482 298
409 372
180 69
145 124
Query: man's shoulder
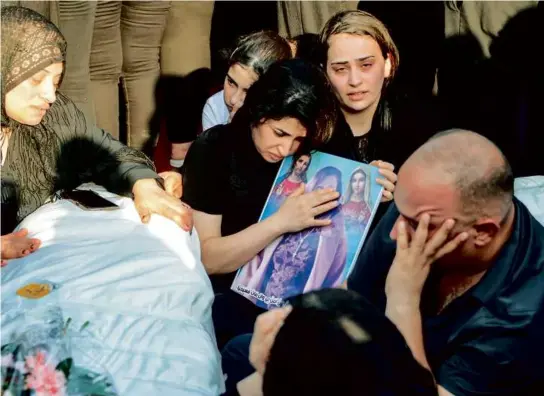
515 283
498 350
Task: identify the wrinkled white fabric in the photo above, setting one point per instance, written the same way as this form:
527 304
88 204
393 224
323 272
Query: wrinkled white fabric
530 191
141 287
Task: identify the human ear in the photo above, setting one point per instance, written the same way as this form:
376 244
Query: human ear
484 231
387 67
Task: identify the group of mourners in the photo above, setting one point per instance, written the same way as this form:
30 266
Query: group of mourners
446 296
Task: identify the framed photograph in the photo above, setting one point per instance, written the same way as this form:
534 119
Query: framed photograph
317 257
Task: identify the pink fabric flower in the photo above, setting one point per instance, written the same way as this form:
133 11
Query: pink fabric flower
36 361
43 378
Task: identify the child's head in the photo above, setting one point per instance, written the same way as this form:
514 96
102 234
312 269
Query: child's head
253 54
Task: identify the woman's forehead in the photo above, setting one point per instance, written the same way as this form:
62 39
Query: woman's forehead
53 69
344 47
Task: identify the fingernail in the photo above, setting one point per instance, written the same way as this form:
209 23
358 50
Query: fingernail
402 225
464 236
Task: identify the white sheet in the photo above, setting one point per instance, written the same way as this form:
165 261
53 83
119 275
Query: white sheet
530 191
142 288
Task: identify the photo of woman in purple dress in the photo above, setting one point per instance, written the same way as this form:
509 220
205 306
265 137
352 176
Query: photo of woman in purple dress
303 261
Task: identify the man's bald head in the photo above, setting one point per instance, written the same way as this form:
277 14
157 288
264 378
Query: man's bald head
471 164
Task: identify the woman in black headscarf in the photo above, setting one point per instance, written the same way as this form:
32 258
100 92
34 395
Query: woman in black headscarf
48 145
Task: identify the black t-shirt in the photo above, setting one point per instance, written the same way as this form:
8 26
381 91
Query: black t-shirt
489 340
223 174
411 122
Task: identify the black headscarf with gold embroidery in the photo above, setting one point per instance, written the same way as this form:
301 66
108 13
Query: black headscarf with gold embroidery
30 43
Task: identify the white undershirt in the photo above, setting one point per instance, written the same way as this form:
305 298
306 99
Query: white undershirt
215 111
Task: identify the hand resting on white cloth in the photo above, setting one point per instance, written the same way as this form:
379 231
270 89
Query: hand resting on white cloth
141 288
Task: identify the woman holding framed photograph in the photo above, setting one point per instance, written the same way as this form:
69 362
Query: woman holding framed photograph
290 109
